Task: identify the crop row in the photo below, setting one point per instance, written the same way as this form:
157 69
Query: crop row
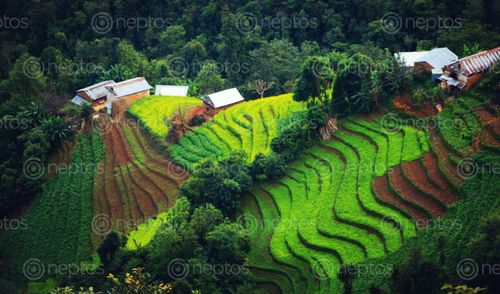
58 224
137 182
326 213
153 111
249 126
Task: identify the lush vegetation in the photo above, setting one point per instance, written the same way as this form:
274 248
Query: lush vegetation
60 219
459 123
306 210
187 250
248 126
28 137
323 213
468 231
154 111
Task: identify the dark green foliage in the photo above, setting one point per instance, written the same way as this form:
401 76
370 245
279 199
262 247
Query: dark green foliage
197 121
227 243
204 219
109 246
209 80
220 184
315 81
203 242
275 61
298 132
416 276
352 87
28 134
268 167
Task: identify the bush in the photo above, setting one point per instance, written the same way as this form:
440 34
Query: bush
268 167
197 120
298 132
219 183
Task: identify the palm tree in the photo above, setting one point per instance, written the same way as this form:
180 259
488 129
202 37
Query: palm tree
56 129
33 113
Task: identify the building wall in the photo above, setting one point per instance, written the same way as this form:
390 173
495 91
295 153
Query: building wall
211 112
136 96
422 66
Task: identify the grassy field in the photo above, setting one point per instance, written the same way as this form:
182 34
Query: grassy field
152 111
325 213
248 126
58 224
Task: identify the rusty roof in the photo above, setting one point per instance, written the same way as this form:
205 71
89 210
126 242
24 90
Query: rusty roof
479 61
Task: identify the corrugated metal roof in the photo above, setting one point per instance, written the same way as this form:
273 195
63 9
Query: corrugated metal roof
223 98
79 101
408 58
97 90
129 87
479 61
167 90
97 85
438 57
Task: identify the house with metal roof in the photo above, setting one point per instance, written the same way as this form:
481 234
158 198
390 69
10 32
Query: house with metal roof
102 94
221 100
407 59
436 58
464 72
168 90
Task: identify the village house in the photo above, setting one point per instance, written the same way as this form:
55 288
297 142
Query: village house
407 59
437 58
103 94
466 71
221 100
167 90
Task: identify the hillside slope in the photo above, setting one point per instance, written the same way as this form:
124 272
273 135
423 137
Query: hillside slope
248 126
327 211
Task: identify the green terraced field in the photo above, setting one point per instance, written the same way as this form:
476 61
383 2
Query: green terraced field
248 126
152 111
58 225
323 213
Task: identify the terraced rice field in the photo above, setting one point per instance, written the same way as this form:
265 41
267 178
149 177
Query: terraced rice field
152 111
135 182
248 126
349 199
57 227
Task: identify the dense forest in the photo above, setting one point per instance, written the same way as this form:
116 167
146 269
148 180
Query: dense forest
336 57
